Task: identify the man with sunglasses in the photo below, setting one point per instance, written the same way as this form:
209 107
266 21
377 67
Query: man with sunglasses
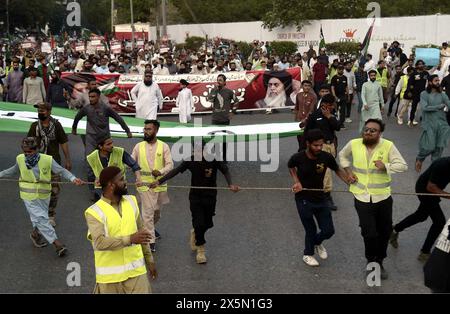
369 163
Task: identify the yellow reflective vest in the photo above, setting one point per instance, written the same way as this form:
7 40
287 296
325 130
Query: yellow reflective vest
30 189
115 159
405 79
128 262
146 172
370 179
382 79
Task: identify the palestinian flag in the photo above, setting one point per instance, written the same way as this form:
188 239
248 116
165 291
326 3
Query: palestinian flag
322 39
366 42
17 118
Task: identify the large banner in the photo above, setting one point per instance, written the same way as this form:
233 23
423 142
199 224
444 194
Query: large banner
251 88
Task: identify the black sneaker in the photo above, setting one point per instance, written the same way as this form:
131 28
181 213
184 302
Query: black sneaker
157 235
61 251
38 241
153 247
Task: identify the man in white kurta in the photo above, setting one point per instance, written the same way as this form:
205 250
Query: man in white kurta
185 102
148 97
373 101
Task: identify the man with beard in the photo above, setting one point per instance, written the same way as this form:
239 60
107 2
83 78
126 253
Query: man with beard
432 181
199 69
416 85
148 97
372 99
119 239
155 160
14 84
56 91
278 91
202 202
223 100
436 131
35 189
210 66
51 137
395 96
369 163
308 169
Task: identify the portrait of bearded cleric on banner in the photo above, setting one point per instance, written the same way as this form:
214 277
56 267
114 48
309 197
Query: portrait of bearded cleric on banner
279 87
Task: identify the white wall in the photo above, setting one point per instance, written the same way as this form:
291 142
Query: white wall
409 31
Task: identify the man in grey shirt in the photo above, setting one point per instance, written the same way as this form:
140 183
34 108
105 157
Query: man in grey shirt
98 115
97 128
223 100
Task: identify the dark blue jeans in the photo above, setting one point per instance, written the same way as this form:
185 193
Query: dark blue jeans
321 211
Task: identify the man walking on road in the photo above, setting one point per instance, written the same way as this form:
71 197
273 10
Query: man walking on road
119 239
308 169
202 202
369 163
155 160
148 98
51 137
432 181
35 190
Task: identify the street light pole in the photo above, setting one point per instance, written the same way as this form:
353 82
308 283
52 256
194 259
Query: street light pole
164 17
7 17
132 24
112 16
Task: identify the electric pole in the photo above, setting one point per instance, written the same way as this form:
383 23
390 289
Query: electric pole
132 24
164 17
112 16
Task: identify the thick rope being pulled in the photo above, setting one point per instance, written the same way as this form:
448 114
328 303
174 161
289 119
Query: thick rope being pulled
241 188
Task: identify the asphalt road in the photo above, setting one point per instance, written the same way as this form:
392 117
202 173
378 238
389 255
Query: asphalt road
255 247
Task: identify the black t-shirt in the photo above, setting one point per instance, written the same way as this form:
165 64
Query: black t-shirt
446 85
311 173
340 85
417 82
204 174
438 173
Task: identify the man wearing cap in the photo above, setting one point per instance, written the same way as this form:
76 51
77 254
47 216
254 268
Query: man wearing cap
185 102
148 97
278 91
119 239
51 137
445 53
35 171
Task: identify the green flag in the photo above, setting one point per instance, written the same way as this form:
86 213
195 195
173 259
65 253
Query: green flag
322 39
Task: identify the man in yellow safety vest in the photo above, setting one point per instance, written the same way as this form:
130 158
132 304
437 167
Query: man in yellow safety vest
35 189
155 160
383 78
119 239
369 163
107 155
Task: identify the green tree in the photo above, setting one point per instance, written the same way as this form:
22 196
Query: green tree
281 13
284 47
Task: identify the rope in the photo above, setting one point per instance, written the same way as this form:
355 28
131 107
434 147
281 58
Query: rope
241 188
